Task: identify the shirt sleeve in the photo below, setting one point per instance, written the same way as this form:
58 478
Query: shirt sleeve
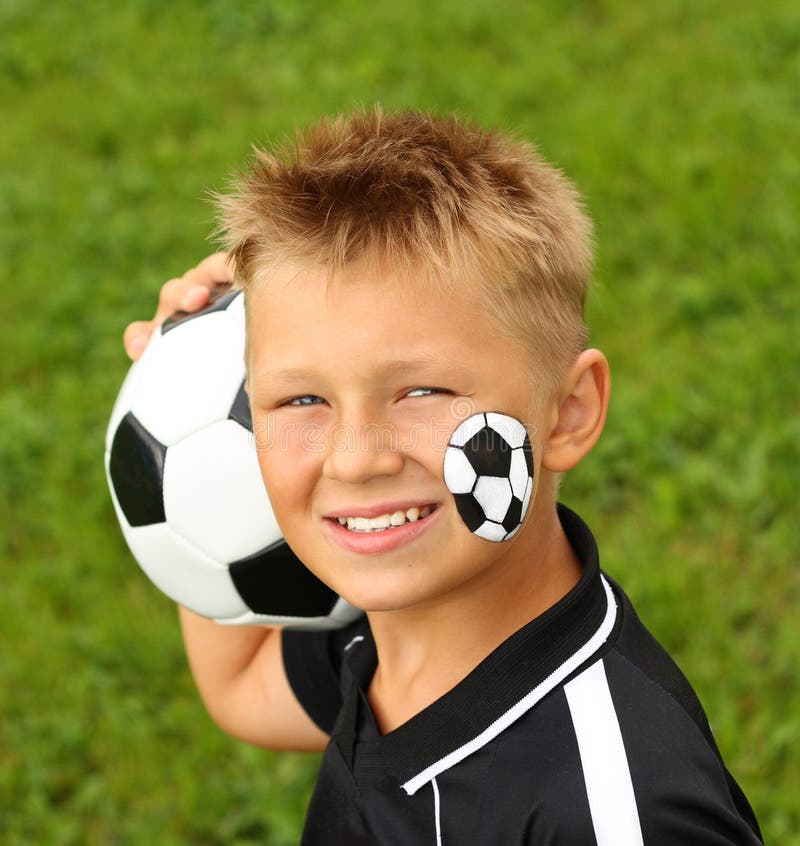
312 662
684 792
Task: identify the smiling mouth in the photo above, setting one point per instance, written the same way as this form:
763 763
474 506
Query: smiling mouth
385 522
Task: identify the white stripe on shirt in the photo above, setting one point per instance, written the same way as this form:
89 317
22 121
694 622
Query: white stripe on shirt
605 766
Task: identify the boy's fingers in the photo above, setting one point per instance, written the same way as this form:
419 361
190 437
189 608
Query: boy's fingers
136 336
180 295
212 270
191 291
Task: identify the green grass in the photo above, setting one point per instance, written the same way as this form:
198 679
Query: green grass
680 121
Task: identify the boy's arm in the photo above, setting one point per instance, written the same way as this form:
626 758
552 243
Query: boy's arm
240 675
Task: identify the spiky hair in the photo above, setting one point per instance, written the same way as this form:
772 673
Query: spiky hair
437 201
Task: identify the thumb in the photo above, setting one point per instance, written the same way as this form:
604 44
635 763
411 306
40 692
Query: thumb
136 336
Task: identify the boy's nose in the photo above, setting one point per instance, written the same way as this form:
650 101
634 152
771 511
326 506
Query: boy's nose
357 452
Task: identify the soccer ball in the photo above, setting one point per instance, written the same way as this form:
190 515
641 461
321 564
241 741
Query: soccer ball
183 473
488 467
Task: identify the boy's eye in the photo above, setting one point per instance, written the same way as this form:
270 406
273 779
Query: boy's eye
428 391
297 401
313 399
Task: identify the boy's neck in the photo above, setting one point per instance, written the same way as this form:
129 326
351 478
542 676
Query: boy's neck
424 654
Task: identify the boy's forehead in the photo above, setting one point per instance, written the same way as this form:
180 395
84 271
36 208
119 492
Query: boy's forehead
300 319
412 284
357 300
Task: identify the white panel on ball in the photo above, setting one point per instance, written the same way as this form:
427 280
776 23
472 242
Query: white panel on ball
459 475
192 381
214 495
491 531
509 427
493 493
184 573
518 474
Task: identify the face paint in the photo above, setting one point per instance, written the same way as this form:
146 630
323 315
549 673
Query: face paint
488 467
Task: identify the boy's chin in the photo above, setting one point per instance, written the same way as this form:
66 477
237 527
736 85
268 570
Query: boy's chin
383 595
399 591
376 602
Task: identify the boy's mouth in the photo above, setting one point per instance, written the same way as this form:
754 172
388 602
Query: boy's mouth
386 522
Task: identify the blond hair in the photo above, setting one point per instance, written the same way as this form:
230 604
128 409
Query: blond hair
434 199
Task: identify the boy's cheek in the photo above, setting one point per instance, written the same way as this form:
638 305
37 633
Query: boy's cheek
285 454
278 440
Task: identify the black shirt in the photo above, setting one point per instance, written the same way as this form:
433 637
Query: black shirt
578 729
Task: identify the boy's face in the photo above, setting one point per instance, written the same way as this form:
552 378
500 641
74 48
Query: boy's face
382 376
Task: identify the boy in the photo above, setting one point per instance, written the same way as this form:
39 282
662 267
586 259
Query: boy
404 276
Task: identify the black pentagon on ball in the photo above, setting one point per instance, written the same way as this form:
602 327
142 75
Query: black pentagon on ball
274 581
219 299
513 515
136 466
489 453
470 510
240 410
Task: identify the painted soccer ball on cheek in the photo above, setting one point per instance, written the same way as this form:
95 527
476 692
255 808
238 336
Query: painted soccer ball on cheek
488 467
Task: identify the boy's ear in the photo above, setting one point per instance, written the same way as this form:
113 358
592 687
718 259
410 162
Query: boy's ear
579 414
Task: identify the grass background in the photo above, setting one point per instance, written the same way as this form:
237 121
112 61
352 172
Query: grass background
679 120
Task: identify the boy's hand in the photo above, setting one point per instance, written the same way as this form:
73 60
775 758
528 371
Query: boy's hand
189 292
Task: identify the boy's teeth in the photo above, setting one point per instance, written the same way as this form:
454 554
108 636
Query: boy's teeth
384 521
